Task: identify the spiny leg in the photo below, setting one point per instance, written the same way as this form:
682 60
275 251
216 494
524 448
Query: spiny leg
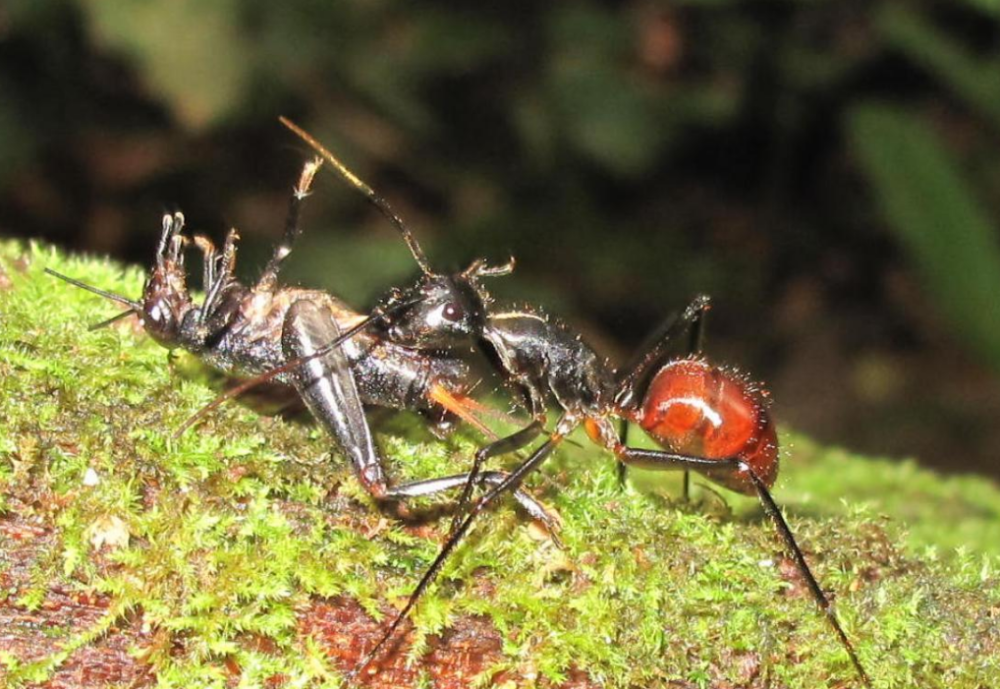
167 249
659 459
461 406
511 482
511 443
268 280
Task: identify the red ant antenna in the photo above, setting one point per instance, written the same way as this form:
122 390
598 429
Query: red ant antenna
380 203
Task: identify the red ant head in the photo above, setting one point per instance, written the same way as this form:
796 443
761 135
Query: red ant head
695 408
165 299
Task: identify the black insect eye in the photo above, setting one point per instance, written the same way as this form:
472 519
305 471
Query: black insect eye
452 312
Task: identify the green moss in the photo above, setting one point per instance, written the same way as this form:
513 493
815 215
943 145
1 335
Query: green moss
232 528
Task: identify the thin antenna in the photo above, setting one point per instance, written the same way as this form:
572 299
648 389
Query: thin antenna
133 305
108 321
380 203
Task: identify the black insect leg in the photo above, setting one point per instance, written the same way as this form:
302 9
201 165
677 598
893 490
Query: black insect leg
209 260
484 478
222 275
652 353
219 282
511 482
658 459
326 385
268 280
512 443
170 240
696 341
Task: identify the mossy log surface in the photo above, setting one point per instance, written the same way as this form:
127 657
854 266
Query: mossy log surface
244 554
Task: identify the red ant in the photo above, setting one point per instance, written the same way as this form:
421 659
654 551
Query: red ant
706 418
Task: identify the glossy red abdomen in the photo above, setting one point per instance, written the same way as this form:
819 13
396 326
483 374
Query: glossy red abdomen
695 408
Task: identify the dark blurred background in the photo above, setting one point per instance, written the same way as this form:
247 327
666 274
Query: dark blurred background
827 169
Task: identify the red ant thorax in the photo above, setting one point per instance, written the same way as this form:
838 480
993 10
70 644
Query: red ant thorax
695 408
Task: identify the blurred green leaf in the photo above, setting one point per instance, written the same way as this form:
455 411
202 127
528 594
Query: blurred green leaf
988 6
17 141
457 43
606 118
976 81
603 114
934 214
589 31
33 14
191 53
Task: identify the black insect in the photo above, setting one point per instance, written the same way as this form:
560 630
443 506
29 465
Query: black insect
247 330
706 418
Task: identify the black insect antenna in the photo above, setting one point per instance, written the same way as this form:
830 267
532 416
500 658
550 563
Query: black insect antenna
133 306
380 203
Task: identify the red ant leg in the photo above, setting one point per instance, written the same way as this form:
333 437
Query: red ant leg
512 443
511 482
432 486
652 352
659 459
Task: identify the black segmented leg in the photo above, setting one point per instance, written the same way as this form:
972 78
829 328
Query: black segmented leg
223 275
209 260
512 443
659 459
326 384
268 280
484 478
643 364
696 344
621 469
511 482
651 354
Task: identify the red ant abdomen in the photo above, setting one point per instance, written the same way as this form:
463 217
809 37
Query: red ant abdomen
695 408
